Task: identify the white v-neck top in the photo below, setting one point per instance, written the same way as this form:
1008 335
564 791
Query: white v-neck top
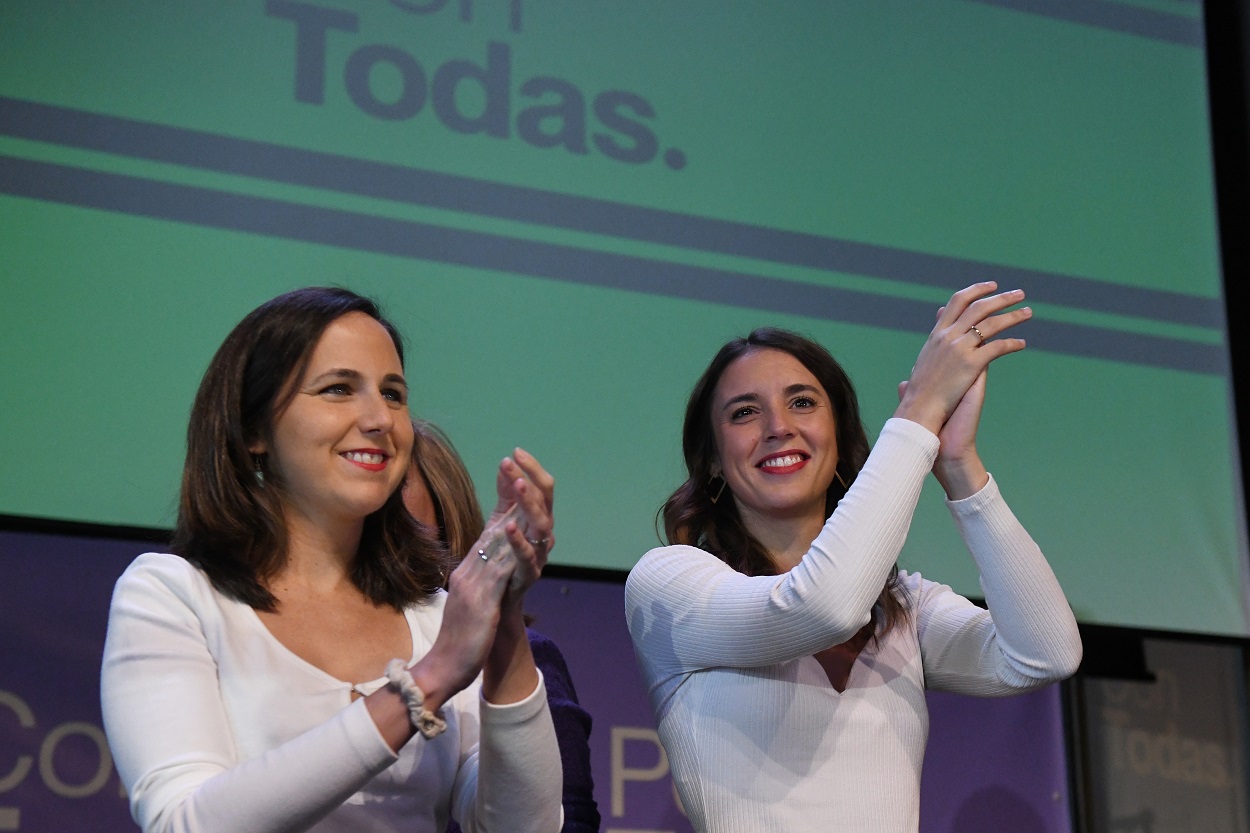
756 736
215 725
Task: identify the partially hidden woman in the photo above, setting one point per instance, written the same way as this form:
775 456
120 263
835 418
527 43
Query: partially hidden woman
439 492
296 664
785 655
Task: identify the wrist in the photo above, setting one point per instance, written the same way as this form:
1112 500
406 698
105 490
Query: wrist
931 419
435 678
390 714
510 611
420 714
961 478
509 674
508 636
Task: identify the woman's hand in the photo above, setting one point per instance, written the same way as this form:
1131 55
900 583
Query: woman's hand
483 627
955 357
524 487
485 591
466 637
523 483
471 616
958 467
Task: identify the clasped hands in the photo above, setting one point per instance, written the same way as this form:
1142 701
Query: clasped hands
486 590
523 519
946 389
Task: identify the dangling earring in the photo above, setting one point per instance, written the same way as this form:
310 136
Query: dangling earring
838 476
258 470
720 490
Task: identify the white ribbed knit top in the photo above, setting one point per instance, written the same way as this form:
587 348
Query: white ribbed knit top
757 738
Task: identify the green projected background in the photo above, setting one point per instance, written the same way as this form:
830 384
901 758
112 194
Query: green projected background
569 206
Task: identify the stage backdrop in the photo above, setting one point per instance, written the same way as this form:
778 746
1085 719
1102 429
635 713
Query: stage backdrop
1169 752
992 765
568 206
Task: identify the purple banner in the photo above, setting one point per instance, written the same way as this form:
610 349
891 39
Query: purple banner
992 765
55 769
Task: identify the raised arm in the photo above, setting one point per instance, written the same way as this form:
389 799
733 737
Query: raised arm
687 609
517 774
1027 638
509 673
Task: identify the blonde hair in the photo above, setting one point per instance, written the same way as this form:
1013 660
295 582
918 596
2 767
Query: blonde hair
456 510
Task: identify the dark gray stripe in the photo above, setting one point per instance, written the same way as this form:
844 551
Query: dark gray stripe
1119 17
276 163
216 209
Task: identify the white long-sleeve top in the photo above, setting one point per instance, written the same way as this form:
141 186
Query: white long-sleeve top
216 726
756 736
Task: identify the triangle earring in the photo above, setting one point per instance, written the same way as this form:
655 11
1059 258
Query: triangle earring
720 490
838 476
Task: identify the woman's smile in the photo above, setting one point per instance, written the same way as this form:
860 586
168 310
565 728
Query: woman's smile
786 462
775 437
336 444
368 459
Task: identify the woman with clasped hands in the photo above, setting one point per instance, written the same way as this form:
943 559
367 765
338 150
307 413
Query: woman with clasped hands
785 655
296 665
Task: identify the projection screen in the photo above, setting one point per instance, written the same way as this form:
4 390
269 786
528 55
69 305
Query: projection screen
568 206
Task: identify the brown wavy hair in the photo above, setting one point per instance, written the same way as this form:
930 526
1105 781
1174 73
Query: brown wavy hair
230 511
691 517
459 515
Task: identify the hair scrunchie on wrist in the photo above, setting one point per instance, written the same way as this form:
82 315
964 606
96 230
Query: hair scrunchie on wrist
423 720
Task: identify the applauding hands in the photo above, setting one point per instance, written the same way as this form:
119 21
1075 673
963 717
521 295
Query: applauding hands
483 629
947 385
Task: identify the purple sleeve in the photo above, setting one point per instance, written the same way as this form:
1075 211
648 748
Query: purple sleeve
581 814
572 722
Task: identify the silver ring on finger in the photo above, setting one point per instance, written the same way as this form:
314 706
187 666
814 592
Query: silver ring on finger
482 555
538 542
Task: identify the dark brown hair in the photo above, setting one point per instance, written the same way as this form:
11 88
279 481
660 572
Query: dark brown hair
691 517
459 515
230 512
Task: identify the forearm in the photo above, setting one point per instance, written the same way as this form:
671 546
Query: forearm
518 773
285 790
509 674
703 613
961 478
842 575
1037 640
